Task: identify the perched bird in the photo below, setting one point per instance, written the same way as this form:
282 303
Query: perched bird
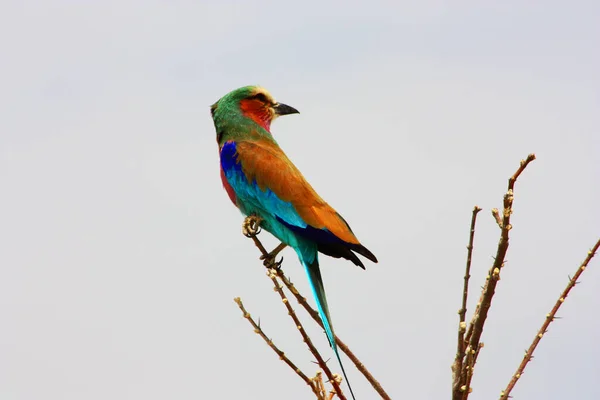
262 182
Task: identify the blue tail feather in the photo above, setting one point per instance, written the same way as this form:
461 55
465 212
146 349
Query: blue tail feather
316 284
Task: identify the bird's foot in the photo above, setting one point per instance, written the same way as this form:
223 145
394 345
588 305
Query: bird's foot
271 263
251 226
269 259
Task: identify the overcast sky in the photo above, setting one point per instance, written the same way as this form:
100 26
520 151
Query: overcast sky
120 253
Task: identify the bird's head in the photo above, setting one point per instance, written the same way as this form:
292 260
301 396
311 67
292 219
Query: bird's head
250 102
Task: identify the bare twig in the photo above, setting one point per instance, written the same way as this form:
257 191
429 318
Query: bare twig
281 354
549 318
320 385
315 315
252 235
481 311
462 326
471 360
497 218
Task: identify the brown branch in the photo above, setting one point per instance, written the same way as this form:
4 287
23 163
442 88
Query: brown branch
464 390
332 379
260 246
462 326
315 315
472 355
549 318
281 354
470 330
481 311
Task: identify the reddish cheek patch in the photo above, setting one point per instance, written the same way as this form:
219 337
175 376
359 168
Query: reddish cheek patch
256 111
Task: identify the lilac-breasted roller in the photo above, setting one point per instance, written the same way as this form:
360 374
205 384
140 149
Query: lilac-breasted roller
262 181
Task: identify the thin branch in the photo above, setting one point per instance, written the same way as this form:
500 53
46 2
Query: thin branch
465 389
260 246
315 315
332 379
320 385
462 326
549 318
481 311
281 354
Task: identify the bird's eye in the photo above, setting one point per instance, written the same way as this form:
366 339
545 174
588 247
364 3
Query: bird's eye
261 97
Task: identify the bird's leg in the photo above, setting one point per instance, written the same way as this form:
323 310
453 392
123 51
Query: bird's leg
269 259
251 226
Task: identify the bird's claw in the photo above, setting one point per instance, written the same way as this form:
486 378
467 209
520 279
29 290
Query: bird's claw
251 226
269 262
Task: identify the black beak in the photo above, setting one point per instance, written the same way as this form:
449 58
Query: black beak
284 109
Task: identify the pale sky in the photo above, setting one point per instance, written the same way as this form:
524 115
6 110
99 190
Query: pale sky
120 253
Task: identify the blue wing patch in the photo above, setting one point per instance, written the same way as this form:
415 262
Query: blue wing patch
250 194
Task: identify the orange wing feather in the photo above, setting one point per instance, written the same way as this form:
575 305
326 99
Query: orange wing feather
268 164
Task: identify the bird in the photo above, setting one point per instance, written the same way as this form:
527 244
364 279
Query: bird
263 183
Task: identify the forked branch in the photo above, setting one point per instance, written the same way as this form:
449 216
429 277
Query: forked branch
493 277
472 342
